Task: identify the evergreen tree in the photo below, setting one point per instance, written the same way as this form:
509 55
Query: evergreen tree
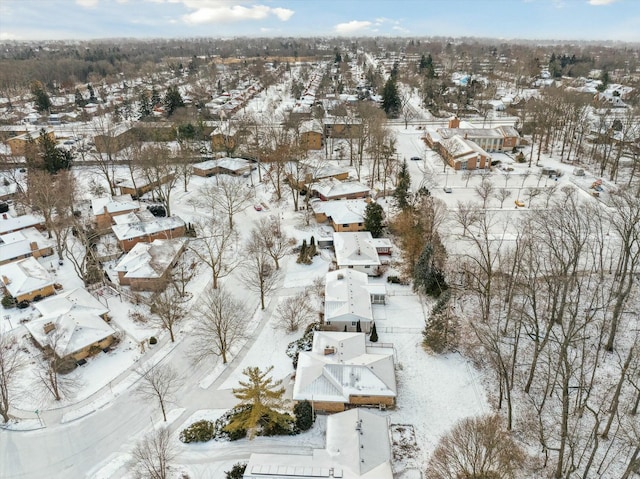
92 94
173 100
304 415
604 78
237 471
155 98
428 278
373 216
40 97
53 158
402 193
302 256
358 327
312 251
145 107
374 334
440 331
391 103
264 395
80 101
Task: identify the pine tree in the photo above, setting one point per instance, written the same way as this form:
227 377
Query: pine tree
428 278
40 97
401 193
440 331
304 415
155 98
145 106
374 334
172 100
358 327
53 158
373 216
312 249
92 94
302 256
391 103
264 395
80 101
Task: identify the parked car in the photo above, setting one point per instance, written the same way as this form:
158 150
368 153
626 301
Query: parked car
257 207
416 158
519 203
447 189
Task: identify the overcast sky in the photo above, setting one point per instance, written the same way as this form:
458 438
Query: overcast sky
531 19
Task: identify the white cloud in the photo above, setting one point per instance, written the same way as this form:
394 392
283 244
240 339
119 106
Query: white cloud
601 2
87 3
8 36
215 12
352 26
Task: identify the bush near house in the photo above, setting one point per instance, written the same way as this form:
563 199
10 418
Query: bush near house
304 415
237 471
201 431
302 344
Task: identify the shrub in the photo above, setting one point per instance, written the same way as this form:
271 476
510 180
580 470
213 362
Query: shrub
237 471
8 301
302 344
223 421
286 428
153 340
374 334
304 415
200 431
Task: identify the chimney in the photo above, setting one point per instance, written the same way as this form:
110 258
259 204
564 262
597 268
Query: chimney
454 122
48 327
34 246
5 280
329 350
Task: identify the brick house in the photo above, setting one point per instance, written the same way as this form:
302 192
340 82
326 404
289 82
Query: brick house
24 244
141 227
342 371
19 144
226 166
11 224
147 267
106 208
26 280
342 215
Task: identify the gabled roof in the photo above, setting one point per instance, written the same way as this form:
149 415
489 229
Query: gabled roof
76 316
346 295
25 276
357 447
151 260
113 204
144 228
332 188
343 211
228 163
18 243
351 369
355 249
10 223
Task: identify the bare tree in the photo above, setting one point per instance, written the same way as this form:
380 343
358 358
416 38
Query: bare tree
159 382
476 448
485 191
257 273
502 195
295 311
274 240
161 170
229 194
153 455
167 310
11 364
53 372
218 247
222 323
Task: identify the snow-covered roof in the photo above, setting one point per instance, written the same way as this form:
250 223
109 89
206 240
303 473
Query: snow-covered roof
25 276
113 204
10 223
144 228
355 249
151 260
346 295
228 163
461 148
341 211
76 316
357 447
470 132
332 188
350 368
18 243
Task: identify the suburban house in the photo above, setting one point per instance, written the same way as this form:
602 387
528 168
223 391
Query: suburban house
465 146
332 189
118 137
342 127
301 174
226 166
26 280
357 446
104 209
23 244
141 186
72 324
342 371
348 297
356 251
311 137
383 246
143 227
19 144
147 267
345 215
10 224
